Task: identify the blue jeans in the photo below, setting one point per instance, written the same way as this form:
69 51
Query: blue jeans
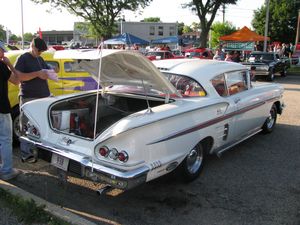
6 143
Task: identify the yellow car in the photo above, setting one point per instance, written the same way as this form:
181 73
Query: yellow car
71 79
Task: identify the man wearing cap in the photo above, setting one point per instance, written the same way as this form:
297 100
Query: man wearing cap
7 73
32 86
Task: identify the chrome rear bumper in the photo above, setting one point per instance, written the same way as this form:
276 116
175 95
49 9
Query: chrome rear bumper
116 178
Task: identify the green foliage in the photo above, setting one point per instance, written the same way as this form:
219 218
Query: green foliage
186 29
28 37
283 15
180 28
101 14
14 37
195 26
27 211
151 19
2 33
206 13
219 29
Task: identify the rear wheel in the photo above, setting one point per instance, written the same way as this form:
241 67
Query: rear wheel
270 122
192 165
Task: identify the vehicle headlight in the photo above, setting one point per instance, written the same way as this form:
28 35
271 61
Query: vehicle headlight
32 131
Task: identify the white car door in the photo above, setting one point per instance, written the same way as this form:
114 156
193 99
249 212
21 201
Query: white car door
247 114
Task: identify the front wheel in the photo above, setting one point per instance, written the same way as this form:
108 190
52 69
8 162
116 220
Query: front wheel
271 75
192 165
270 122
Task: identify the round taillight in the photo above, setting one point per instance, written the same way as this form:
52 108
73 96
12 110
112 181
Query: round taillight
113 154
103 151
123 156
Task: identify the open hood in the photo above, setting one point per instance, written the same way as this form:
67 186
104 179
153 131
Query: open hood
119 67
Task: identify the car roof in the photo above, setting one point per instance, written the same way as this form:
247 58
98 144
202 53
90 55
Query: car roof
13 53
198 69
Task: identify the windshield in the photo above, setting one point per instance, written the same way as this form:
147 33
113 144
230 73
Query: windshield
138 89
261 57
161 54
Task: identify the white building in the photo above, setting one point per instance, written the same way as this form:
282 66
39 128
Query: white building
148 30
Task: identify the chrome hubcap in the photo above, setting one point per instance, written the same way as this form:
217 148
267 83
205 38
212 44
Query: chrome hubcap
271 119
194 160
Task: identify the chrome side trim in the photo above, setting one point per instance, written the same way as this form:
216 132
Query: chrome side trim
227 147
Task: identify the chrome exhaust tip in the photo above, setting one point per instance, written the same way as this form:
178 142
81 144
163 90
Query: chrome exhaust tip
104 190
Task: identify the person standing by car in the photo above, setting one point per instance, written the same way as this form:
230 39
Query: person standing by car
33 86
7 73
228 57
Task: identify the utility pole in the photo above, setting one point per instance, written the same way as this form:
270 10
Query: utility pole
22 24
297 33
267 24
223 11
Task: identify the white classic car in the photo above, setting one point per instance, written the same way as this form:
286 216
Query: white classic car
149 118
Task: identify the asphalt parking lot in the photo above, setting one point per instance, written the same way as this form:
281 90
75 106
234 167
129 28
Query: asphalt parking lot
255 183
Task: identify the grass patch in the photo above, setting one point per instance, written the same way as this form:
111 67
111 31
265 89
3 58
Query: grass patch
27 211
294 69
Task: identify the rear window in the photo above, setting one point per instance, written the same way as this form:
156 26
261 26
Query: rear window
186 86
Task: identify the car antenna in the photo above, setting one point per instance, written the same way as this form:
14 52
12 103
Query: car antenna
100 47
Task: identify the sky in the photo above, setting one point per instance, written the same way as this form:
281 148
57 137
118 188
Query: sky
42 16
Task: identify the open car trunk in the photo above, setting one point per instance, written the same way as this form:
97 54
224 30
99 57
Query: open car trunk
77 115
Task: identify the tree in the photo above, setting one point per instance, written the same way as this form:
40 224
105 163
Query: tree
186 29
195 26
14 38
151 19
28 36
2 33
210 7
180 28
219 29
283 15
100 13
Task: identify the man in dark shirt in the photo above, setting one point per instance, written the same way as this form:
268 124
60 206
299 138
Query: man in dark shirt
7 73
32 86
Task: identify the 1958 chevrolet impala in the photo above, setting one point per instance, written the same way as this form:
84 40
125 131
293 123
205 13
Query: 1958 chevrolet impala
149 118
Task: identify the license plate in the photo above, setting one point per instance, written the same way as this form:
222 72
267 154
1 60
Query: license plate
60 161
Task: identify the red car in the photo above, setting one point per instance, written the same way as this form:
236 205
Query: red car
202 53
161 54
296 55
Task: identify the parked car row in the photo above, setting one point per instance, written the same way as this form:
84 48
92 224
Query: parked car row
202 53
150 117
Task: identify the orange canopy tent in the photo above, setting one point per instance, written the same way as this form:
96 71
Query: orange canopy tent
243 35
